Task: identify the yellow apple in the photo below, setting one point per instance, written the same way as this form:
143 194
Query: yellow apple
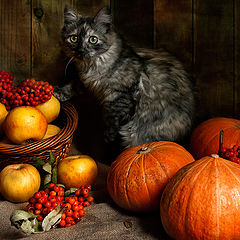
3 115
52 130
18 182
23 123
77 170
50 109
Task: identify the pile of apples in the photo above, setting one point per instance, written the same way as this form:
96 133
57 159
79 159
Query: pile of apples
64 200
27 110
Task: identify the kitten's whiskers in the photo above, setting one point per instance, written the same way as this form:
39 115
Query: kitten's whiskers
65 72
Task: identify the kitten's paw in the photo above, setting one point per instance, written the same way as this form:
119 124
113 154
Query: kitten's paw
64 93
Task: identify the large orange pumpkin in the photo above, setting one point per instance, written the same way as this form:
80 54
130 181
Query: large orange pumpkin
139 174
202 201
205 137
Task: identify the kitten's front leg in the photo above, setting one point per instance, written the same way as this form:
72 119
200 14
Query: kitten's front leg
116 114
111 122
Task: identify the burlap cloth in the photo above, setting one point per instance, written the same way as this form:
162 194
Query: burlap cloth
103 220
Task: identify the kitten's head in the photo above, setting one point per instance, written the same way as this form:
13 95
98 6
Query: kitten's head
86 36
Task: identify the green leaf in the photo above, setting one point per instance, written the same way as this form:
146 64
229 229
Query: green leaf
38 163
36 226
46 186
51 158
33 215
54 175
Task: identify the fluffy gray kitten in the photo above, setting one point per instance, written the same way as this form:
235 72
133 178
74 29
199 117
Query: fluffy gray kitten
146 95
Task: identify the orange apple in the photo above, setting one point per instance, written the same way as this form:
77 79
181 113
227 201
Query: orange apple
3 115
52 130
23 123
50 109
18 182
77 170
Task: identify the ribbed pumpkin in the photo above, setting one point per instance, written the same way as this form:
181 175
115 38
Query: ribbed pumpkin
202 201
205 137
137 177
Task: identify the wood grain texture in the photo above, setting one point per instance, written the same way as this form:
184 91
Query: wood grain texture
134 20
213 57
236 66
173 28
15 44
204 35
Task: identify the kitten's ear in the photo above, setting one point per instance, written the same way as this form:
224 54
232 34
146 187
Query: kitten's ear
69 15
103 16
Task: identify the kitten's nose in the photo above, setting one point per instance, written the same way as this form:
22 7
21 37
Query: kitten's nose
81 52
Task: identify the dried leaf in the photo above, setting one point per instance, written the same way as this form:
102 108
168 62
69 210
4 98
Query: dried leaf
47 167
127 224
47 179
19 215
26 227
70 191
24 221
52 218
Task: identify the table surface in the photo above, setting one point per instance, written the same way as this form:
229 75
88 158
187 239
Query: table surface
103 219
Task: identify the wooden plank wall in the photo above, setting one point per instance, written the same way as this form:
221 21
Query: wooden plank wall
15 37
134 20
214 55
237 58
30 36
203 34
173 28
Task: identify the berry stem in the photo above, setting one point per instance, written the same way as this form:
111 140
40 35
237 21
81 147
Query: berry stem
220 141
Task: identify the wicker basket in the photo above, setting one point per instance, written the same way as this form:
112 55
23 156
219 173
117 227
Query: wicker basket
58 144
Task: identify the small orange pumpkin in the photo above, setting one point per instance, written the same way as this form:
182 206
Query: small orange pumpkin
205 137
202 201
137 177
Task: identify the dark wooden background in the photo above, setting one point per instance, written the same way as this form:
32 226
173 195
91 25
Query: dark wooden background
204 35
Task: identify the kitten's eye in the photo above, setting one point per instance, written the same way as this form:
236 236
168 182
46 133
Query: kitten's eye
93 39
74 38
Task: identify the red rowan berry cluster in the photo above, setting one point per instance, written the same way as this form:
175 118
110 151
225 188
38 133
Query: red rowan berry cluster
28 93
43 202
232 154
6 86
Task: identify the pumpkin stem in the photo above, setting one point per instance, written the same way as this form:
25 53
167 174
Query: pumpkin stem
220 142
215 155
144 149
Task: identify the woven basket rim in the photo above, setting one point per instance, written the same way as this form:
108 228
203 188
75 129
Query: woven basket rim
71 115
